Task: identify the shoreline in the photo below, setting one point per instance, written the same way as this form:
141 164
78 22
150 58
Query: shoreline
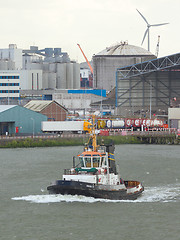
39 141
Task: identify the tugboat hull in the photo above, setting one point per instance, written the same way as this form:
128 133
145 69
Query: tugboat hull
91 190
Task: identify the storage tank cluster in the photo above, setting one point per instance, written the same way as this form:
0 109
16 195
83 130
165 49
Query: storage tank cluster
61 76
58 71
128 123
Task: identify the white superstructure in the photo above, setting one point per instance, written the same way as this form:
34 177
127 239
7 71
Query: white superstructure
9 85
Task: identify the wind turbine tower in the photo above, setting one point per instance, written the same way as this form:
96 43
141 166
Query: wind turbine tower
147 30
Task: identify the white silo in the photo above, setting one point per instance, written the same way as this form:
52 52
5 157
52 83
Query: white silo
36 66
69 75
11 65
45 80
61 76
3 65
52 80
45 67
52 67
76 75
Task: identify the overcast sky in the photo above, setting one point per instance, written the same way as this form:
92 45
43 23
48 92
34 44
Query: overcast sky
94 24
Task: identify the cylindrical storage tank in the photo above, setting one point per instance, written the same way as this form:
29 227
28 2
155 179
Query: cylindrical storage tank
157 123
3 65
106 62
45 67
118 123
69 75
33 48
35 66
52 67
101 123
146 122
129 122
109 123
76 76
45 80
52 80
12 46
137 122
11 65
61 76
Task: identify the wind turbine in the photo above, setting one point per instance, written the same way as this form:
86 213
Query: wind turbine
147 30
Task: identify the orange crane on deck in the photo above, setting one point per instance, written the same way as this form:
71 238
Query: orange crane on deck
86 58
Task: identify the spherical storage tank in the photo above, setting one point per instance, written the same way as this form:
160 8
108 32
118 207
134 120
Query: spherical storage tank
106 62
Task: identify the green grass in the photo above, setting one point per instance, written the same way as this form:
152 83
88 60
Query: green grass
30 142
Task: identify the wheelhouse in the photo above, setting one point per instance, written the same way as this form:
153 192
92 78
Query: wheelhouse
93 160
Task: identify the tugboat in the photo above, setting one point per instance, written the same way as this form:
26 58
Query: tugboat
96 175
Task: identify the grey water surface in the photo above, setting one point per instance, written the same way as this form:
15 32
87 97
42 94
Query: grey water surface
28 212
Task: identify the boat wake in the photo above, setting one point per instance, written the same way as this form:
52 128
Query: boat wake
168 193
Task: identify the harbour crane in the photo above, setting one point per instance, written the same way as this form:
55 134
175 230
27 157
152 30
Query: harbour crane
85 58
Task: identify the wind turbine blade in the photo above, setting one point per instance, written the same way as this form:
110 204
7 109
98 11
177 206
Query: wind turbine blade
156 25
145 35
143 17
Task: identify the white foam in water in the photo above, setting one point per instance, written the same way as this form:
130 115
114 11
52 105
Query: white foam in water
169 193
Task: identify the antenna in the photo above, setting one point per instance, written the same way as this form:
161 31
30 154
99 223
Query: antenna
147 30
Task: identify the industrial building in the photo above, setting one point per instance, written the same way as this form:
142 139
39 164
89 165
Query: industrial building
86 78
71 99
11 58
80 99
35 70
9 86
31 79
52 109
148 88
106 62
136 81
12 81
19 120
58 71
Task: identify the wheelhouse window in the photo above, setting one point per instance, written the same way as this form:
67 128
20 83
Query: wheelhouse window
81 161
96 161
87 161
103 161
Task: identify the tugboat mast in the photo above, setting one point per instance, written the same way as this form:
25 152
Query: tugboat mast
94 140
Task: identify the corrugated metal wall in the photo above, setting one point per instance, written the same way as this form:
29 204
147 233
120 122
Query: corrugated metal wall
22 120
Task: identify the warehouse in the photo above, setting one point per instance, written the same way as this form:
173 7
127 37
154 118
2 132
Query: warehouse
52 109
148 88
19 120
